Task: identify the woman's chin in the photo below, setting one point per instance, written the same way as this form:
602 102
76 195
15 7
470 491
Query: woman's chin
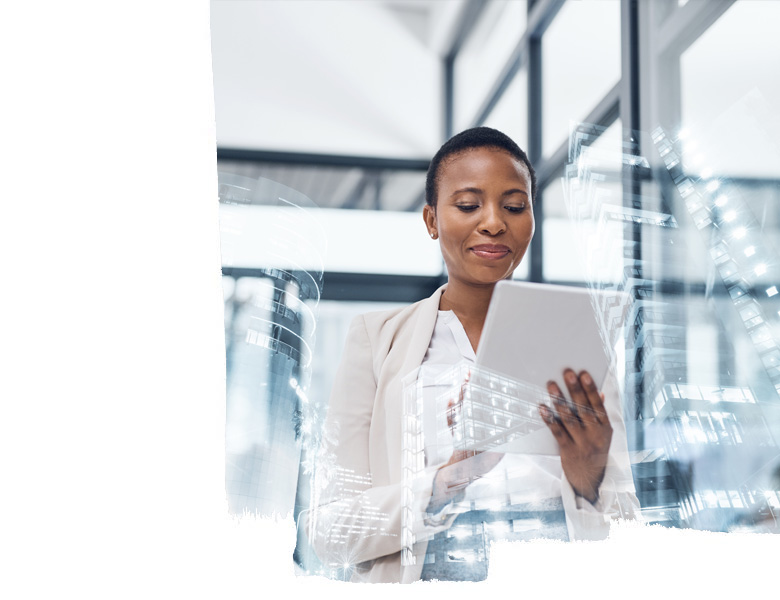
490 278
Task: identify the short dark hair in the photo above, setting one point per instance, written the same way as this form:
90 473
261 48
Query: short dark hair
476 137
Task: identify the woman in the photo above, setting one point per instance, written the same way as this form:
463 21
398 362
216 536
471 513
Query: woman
479 193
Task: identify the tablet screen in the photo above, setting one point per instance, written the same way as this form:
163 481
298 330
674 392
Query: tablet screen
535 331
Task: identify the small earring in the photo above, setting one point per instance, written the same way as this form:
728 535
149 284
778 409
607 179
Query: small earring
433 236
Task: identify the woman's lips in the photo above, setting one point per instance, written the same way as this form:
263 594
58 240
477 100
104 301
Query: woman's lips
490 251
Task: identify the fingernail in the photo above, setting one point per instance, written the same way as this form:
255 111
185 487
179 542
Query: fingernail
571 377
586 379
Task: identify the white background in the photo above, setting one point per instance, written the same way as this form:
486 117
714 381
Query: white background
113 360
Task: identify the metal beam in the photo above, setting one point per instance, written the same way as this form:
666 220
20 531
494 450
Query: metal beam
686 24
362 287
321 160
629 81
449 94
534 150
465 25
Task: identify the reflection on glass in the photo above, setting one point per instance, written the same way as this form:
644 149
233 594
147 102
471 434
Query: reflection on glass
704 418
270 321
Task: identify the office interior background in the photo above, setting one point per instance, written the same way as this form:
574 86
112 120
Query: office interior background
339 106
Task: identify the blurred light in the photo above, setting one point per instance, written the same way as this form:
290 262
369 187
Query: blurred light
772 291
722 199
293 382
683 133
498 527
494 505
706 173
730 216
760 269
750 251
713 185
461 532
740 233
697 160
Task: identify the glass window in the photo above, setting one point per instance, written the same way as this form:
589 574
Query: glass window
730 92
510 115
580 64
484 55
591 248
358 241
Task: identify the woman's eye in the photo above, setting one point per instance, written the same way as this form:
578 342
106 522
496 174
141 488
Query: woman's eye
515 209
467 207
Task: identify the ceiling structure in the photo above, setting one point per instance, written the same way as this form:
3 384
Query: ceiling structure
378 113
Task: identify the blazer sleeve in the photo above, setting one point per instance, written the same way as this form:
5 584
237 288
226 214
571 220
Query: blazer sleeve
353 521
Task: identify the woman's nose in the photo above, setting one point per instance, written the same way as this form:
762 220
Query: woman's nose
492 222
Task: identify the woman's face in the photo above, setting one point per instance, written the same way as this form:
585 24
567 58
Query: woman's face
483 216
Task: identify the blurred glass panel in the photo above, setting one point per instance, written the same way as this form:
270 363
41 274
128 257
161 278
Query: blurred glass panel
483 56
510 115
359 241
270 319
580 64
521 273
704 333
561 260
730 90
587 248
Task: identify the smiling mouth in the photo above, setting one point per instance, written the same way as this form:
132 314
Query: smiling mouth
491 252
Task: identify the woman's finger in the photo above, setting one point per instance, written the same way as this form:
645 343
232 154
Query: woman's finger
596 398
595 412
554 424
565 416
577 393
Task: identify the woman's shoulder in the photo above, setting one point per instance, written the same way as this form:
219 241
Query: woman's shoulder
399 314
395 318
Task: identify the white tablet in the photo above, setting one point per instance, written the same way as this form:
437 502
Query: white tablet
534 331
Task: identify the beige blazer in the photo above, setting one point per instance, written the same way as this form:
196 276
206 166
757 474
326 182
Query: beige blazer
356 517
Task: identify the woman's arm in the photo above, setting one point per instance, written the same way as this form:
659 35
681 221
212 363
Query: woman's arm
352 520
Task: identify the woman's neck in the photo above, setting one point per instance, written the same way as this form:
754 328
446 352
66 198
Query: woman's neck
469 303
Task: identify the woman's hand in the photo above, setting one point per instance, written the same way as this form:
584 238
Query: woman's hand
583 432
464 466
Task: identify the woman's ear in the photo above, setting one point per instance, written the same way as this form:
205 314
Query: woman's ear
429 216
